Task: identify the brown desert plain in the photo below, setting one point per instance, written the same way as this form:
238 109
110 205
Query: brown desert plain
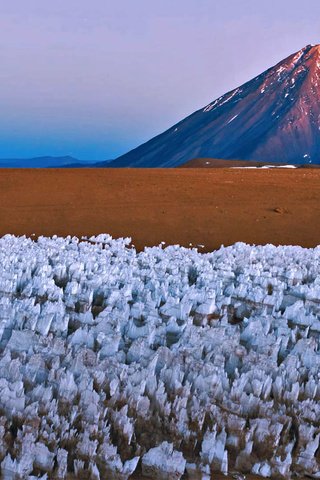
201 206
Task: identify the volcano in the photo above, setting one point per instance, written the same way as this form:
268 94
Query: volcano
273 118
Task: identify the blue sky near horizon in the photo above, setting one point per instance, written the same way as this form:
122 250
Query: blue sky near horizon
95 79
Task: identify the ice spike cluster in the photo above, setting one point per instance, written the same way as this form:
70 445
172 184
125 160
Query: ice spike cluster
165 362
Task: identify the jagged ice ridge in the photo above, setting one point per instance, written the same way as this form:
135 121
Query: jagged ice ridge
184 361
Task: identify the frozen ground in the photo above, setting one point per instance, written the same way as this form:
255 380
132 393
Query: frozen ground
167 360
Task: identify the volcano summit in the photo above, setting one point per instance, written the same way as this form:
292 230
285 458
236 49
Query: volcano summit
273 118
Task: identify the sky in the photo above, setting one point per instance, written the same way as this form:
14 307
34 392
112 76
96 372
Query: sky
95 78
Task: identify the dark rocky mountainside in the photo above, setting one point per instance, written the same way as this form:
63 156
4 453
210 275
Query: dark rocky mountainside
273 118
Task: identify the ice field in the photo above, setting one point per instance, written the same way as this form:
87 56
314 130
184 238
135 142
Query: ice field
166 361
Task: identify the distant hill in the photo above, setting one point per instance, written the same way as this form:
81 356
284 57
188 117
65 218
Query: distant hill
38 162
274 117
47 162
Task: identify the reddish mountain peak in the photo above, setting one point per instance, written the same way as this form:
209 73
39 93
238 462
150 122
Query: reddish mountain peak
313 48
274 117
308 57
297 66
308 51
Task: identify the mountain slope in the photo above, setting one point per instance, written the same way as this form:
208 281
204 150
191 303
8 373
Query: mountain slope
273 118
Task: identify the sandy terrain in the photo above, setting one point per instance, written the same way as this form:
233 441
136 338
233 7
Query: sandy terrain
218 163
202 206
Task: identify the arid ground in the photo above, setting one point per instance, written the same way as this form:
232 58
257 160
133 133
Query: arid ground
218 163
206 207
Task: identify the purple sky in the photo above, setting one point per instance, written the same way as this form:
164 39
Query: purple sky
96 78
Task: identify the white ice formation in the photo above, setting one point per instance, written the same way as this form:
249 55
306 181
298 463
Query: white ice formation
166 361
